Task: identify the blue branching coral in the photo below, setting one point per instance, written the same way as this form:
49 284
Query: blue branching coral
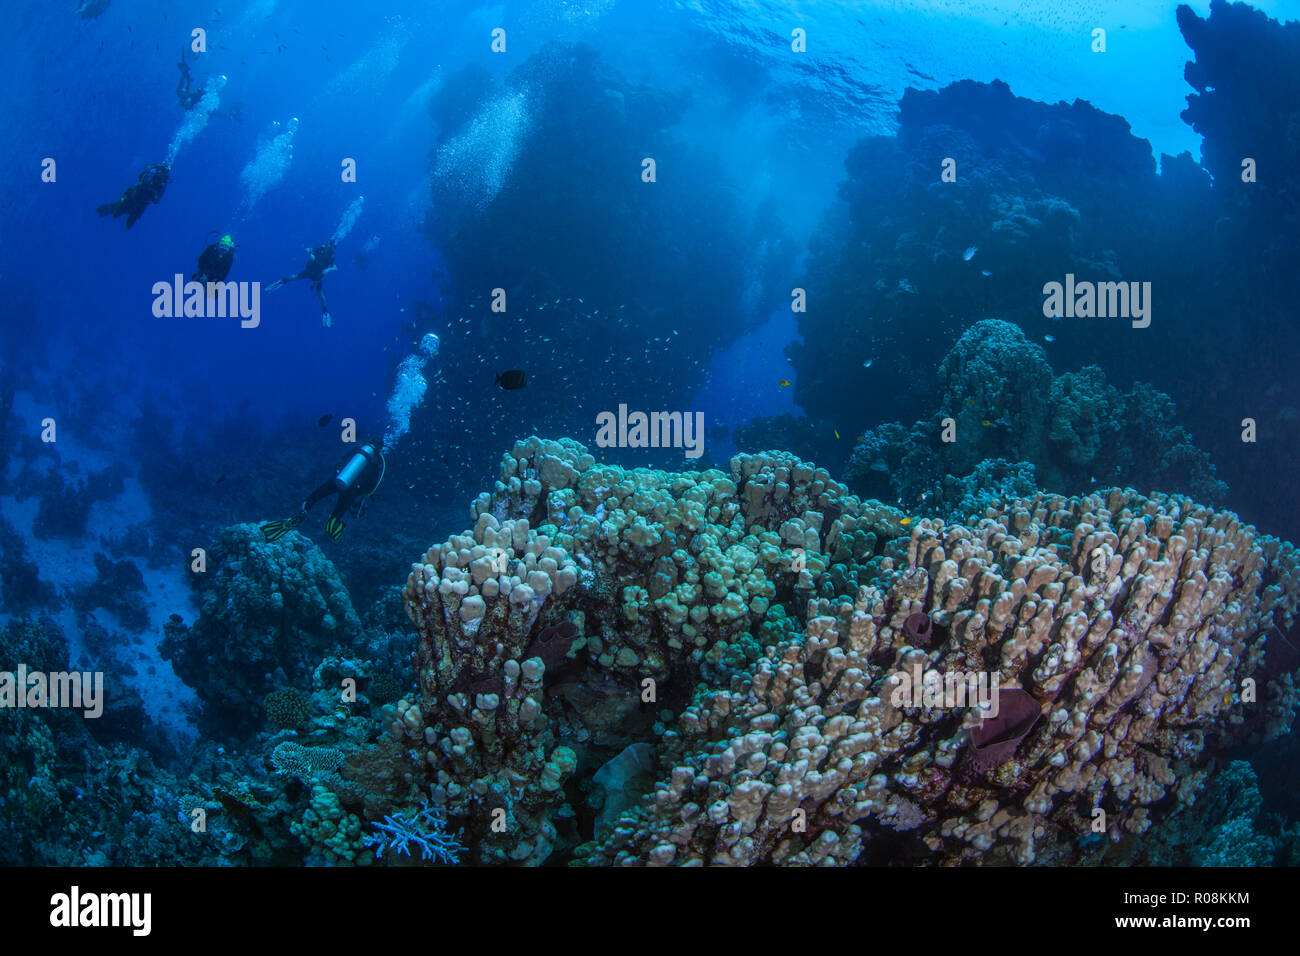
425 828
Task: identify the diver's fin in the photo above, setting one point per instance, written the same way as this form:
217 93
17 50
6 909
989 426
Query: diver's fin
335 528
275 530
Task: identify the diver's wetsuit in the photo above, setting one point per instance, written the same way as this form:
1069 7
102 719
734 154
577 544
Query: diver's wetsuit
356 480
215 261
320 260
188 98
132 203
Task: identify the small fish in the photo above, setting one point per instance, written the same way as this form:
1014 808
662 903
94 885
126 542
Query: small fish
862 438
1049 338
867 363
784 383
985 272
512 379
969 254
986 423
906 521
324 420
970 401
221 479
837 434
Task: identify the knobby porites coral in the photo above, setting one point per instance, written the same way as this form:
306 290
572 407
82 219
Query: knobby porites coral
1135 623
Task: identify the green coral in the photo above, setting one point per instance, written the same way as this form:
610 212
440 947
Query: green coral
695 559
330 831
999 400
306 763
286 709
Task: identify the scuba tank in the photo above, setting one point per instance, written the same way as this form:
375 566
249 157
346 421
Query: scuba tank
352 471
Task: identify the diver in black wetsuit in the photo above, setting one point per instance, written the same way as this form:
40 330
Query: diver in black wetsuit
148 189
215 261
188 98
355 482
320 260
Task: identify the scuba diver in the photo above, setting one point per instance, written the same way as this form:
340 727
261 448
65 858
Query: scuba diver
132 203
188 98
355 482
320 260
215 261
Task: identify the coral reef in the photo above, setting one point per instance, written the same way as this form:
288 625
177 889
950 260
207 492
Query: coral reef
633 667
1245 107
65 507
1134 624
333 835
269 611
621 576
22 589
888 259
425 829
1018 424
66 800
286 709
474 601
1225 826
119 588
887 281
690 559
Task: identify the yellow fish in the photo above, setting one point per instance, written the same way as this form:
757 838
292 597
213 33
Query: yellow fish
986 423
784 383
837 434
906 521
970 401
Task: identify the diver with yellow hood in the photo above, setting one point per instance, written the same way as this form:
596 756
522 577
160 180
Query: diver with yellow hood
215 261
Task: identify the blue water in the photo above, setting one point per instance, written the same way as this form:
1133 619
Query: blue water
97 96
521 171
